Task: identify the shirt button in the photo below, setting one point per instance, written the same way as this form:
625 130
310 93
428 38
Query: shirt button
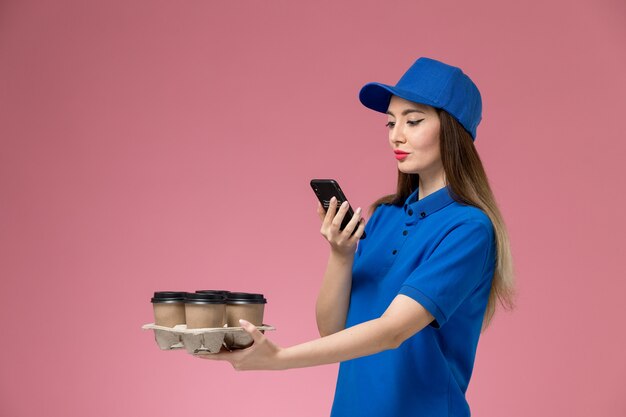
423 214
405 233
410 212
394 252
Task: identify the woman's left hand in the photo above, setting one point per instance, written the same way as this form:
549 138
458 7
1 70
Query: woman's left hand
263 354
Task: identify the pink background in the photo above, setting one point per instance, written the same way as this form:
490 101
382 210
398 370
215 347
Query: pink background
161 145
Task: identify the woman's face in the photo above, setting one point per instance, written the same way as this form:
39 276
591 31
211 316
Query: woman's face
414 129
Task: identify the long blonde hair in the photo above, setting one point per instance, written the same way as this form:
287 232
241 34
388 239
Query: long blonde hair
468 182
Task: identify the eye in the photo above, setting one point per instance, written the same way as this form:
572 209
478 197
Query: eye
413 122
390 125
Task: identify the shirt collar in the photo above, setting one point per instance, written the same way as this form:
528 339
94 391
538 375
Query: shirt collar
416 209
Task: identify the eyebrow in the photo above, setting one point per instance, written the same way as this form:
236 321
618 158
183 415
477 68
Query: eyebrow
405 112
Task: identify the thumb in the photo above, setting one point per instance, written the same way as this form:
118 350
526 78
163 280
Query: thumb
251 330
320 211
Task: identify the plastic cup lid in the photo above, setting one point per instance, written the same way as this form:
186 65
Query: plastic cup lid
224 292
245 298
205 298
168 297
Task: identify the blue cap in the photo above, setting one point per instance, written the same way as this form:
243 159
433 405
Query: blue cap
435 84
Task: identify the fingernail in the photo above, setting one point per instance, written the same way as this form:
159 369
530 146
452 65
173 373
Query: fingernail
243 322
333 199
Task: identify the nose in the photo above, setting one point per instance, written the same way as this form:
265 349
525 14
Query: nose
396 135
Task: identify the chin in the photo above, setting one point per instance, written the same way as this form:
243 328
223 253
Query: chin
409 170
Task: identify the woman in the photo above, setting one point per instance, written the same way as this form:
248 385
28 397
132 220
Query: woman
403 312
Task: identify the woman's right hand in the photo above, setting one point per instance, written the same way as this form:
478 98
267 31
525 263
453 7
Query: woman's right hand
340 241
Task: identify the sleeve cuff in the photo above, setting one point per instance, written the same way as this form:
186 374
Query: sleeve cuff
426 302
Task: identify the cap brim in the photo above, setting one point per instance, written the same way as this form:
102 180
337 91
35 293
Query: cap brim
377 96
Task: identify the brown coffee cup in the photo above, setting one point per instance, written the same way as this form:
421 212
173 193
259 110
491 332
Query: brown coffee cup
204 310
247 306
169 308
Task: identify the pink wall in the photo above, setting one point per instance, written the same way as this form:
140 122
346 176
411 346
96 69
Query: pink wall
160 145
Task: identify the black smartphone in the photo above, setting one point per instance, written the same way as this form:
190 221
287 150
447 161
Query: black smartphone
325 189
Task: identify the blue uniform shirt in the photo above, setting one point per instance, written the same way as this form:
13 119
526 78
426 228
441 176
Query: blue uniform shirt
442 254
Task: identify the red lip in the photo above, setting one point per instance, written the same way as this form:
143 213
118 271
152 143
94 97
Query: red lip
400 152
400 156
